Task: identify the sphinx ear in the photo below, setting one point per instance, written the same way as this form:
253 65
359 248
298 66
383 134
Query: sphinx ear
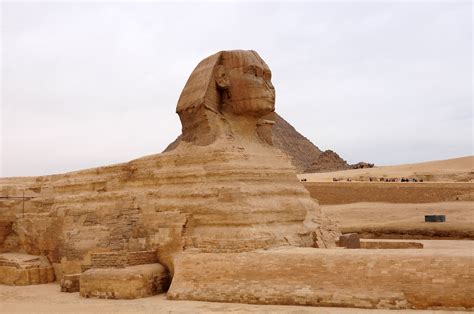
221 77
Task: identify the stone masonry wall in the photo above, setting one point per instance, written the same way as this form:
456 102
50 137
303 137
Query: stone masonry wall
419 279
141 257
108 260
122 259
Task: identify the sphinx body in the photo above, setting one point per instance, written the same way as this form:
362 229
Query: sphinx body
224 188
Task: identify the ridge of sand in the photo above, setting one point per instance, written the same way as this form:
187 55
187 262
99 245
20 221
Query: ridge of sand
449 170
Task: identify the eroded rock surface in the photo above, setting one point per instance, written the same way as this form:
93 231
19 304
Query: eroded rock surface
19 269
224 188
391 279
304 155
124 283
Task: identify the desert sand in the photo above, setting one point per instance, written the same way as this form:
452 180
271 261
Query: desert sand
396 209
449 170
388 220
48 299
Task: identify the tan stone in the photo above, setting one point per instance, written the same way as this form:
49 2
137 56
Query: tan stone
395 279
371 244
70 283
223 189
349 241
124 283
23 269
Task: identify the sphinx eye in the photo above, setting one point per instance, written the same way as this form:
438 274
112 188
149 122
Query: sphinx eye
251 70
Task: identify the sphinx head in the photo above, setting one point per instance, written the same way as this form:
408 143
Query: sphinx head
227 84
245 80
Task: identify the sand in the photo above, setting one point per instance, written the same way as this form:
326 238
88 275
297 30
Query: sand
449 170
47 299
388 220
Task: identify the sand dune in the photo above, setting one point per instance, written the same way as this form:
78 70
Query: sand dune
449 170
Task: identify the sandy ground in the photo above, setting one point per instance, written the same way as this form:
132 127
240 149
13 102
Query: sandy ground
405 220
450 170
47 299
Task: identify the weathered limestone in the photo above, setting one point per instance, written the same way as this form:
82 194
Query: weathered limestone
223 211
121 259
124 283
22 269
224 188
349 241
70 283
395 279
371 244
119 275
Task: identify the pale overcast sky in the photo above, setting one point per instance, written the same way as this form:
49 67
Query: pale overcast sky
90 84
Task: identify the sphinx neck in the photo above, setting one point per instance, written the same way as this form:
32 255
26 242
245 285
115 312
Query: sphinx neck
243 128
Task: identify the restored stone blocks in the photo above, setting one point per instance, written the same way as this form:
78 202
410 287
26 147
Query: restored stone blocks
124 283
141 257
22 269
108 260
394 279
370 244
121 259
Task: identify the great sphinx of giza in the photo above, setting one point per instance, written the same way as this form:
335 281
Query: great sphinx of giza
223 213
224 188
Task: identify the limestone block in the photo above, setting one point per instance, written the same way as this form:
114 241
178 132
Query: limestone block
108 260
124 283
70 283
394 279
349 241
22 269
121 259
371 244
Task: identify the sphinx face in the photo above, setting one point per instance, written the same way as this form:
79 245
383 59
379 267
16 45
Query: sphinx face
250 90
